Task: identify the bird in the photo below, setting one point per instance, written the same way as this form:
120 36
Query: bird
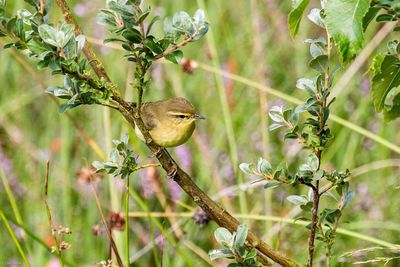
170 122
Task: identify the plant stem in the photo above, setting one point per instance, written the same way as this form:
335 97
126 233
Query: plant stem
15 239
108 230
314 220
127 221
52 228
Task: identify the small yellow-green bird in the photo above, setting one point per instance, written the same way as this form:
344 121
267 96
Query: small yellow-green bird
170 122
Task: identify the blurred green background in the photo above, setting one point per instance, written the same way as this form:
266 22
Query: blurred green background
247 38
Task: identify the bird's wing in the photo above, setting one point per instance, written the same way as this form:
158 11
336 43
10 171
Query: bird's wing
148 117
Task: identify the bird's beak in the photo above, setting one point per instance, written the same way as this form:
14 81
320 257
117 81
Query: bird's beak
199 117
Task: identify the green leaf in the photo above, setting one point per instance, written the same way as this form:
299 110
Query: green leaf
154 20
272 184
349 196
315 16
295 15
320 63
182 22
344 21
175 57
64 107
132 35
385 18
240 238
386 78
2 7
276 114
297 200
306 84
247 168
393 112
370 15
56 37
59 92
223 236
275 126
153 45
251 254
221 253
263 166
99 166
318 175
170 33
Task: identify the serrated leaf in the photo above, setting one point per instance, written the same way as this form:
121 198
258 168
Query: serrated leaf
223 236
175 57
386 78
295 16
344 21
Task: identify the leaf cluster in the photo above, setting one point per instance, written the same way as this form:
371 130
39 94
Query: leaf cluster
55 47
233 247
122 161
125 20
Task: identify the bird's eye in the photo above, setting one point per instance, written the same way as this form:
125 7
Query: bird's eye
181 116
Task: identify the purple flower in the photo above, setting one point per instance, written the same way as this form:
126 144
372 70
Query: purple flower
184 156
174 189
145 182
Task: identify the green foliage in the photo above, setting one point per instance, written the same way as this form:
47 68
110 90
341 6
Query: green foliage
386 78
122 161
344 21
126 21
295 15
233 247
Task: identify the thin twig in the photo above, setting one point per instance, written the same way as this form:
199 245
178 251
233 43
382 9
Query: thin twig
108 230
175 47
52 228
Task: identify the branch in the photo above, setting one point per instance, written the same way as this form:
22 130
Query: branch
175 46
218 214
